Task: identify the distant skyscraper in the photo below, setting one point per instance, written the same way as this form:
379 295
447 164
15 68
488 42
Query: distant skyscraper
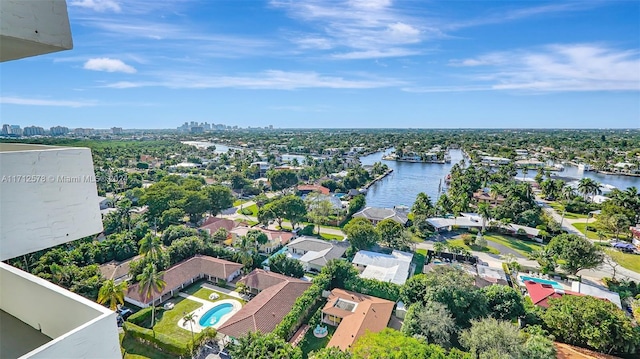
33 131
58 131
116 130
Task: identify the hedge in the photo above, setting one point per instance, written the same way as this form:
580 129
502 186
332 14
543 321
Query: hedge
142 316
161 341
306 305
373 287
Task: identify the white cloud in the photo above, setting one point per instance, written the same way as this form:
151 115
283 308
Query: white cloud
267 80
572 67
98 5
362 29
44 102
375 54
108 65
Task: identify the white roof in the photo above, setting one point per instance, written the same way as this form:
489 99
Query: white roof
529 230
458 221
597 292
392 267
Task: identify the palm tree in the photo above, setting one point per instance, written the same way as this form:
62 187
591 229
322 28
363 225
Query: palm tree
484 210
567 193
587 186
112 293
151 246
151 283
191 319
495 190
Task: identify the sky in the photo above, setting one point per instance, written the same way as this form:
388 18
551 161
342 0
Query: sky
335 64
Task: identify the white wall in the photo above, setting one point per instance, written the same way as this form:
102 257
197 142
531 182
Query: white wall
79 328
33 27
48 196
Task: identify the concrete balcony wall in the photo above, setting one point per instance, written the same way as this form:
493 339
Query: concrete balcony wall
48 196
33 27
78 327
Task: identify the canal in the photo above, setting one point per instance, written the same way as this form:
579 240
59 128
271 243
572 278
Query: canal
408 179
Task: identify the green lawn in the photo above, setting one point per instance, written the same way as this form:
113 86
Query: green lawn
472 247
133 349
626 260
204 293
253 208
167 323
329 236
559 207
239 202
311 343
590 234
521 246
419 257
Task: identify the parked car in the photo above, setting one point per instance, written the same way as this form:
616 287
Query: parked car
124 312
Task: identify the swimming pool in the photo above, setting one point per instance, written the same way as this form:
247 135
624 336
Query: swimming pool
552 283
213 315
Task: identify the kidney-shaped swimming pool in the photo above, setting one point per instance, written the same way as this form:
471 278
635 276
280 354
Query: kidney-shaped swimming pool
213 315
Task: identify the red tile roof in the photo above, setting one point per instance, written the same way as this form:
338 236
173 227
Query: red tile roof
187 270
541 293
267 309
370 314
311 188
262 279
212 224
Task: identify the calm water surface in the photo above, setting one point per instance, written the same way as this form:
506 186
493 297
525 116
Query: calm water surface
407 180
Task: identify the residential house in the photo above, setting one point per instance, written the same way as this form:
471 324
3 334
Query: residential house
394 267
212 224
276 295
540 293
308 188
487 276
354 314
314 253
598 292
377 214
494 161
484 197
185 273
275 239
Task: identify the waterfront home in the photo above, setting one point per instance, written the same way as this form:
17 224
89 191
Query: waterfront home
377 214
484 197
394 267
354 314
276 296
308 188
494 161
314 253
184 274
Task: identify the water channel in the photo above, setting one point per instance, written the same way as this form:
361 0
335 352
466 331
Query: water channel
408 179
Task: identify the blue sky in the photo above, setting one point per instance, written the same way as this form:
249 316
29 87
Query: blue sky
359 63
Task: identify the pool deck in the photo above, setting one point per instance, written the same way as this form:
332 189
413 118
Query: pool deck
206 305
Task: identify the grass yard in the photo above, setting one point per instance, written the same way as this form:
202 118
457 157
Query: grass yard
473 247
626 260
204 293
590 234
238 202
311 343
252 208
521 246
329 236
167 322
559 207
133 349
419 257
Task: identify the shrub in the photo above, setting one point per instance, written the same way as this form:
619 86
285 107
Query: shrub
467 238
376 288
141 317
307 230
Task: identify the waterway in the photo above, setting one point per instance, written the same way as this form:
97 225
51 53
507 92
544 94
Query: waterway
407 180
617 181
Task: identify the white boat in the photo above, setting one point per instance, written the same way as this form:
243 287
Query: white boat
584 167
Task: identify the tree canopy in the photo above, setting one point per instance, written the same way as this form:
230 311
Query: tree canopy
577 252
361 233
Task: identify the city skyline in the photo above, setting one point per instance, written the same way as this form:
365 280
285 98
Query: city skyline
348 64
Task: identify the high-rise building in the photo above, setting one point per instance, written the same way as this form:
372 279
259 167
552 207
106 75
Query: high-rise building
116 130
33 131
58 131
40 319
